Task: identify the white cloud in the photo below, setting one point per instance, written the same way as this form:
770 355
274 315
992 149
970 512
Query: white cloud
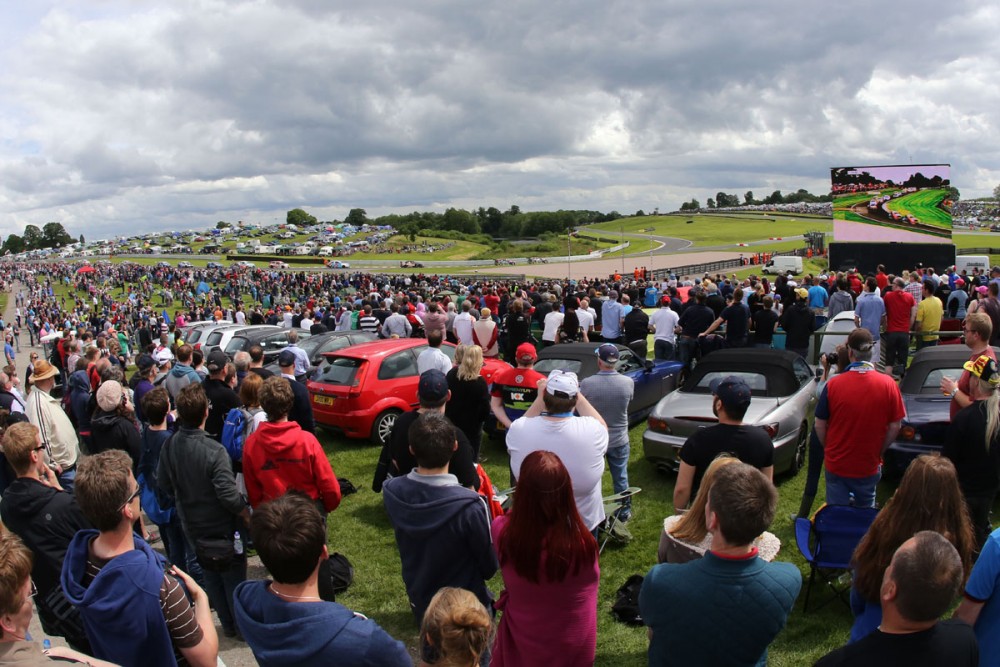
120 115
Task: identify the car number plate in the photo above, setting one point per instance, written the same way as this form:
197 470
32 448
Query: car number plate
323 400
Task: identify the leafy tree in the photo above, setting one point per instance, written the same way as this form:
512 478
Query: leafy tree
410 230
774 198
514 210
460 220
32 237
692 205
13 245
82 241
996 192
954 194
222 224
710 203
748 198
640 213
356 217
300 218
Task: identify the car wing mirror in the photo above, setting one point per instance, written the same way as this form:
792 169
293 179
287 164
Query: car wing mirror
648 365
819 374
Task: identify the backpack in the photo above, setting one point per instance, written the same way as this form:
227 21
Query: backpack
235 429
626 605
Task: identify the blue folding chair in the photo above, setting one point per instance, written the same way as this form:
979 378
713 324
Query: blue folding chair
828 542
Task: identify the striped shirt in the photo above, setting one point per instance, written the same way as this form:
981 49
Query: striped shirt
368 323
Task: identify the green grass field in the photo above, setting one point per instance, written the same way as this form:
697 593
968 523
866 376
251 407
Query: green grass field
848 201
924 206
712 230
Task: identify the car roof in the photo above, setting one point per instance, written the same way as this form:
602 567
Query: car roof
931 358
378 348
573 350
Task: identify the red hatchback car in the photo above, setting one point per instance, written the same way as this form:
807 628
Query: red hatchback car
363 388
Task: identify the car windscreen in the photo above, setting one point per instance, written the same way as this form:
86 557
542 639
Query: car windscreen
545 366
756 381
339 370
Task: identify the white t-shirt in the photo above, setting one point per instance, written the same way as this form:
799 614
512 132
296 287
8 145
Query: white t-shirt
580 442
664 319
433 357
551 322
241 317
586 318
463 329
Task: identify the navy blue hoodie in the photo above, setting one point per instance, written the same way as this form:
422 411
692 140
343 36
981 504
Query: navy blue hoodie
121 606
443 536
311 633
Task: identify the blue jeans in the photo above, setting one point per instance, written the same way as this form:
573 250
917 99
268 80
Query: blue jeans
179 552
687 348
618 464
663 350
67 479
839 490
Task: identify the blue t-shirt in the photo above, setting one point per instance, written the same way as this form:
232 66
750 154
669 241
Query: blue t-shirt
870 309
818 296
982 587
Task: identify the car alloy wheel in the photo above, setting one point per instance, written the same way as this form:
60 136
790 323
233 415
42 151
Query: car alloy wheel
383 426
801 444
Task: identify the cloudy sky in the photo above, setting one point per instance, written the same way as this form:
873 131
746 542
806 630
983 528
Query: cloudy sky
118 116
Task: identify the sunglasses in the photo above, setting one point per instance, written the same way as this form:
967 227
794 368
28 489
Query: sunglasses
135 494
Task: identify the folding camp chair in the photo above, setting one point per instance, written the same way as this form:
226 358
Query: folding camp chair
828 542
613 526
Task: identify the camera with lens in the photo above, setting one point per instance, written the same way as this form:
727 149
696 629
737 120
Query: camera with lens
831 358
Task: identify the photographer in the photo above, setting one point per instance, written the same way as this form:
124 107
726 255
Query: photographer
833 363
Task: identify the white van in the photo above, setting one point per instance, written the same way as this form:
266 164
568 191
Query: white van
326 251
783 264
967 263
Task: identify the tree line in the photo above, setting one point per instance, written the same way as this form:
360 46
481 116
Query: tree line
51 235
725 200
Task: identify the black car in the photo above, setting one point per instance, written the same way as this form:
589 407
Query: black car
928 411
316 346
272 338
653 379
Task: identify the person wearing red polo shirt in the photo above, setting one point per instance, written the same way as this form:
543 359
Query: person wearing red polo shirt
978 328
515 388
900 313
857 417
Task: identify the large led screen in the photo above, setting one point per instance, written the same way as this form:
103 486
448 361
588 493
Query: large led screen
899 203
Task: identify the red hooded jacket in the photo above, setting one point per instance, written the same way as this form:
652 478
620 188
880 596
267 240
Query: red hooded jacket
281 456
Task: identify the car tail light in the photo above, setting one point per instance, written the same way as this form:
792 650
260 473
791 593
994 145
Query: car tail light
772 429
907 433
359 379
659 425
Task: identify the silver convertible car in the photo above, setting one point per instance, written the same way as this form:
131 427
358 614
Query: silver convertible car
782 387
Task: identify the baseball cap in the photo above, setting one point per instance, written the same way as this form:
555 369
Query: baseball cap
860 340
163 357
608 352
286 358
562 384
144 363
526 351
984 368
732 391
217 360
802 292
959 282
665 300
433 386
982 289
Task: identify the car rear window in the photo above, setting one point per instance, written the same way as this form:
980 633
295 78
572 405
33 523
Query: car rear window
214 338
932 383
235 345
756 381
194 336
339 370
545 366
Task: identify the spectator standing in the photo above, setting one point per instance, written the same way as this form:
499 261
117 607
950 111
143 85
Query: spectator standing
221 397
978 329
730 402
818 297
635 328
518 327
550 571
736 317
302 411
957 300
857 417
869 313
369 322
929 314
47 414
279 455
799 323
581 442
551 323
729 582
46 518
610 392
569 330
695 318
905 514
763 324
612 314
301 357
134 609
973 444
396 325
469 404
195 469
257 362
514 389
284 620
442 529
485 334
182 374
663 323
432 356
841 300
463 324
980 606
900 314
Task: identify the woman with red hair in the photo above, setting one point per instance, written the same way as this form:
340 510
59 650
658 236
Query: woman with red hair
549 564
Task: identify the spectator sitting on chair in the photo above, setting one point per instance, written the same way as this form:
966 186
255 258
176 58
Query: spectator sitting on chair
285 621
730 402
729 582
920 584
907 513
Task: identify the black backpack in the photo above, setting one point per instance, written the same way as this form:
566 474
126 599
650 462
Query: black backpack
626 605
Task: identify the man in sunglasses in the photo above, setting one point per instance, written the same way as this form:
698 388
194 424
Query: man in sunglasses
132 603
977 330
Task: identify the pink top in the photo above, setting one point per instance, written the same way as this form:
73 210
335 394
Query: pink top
546 624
